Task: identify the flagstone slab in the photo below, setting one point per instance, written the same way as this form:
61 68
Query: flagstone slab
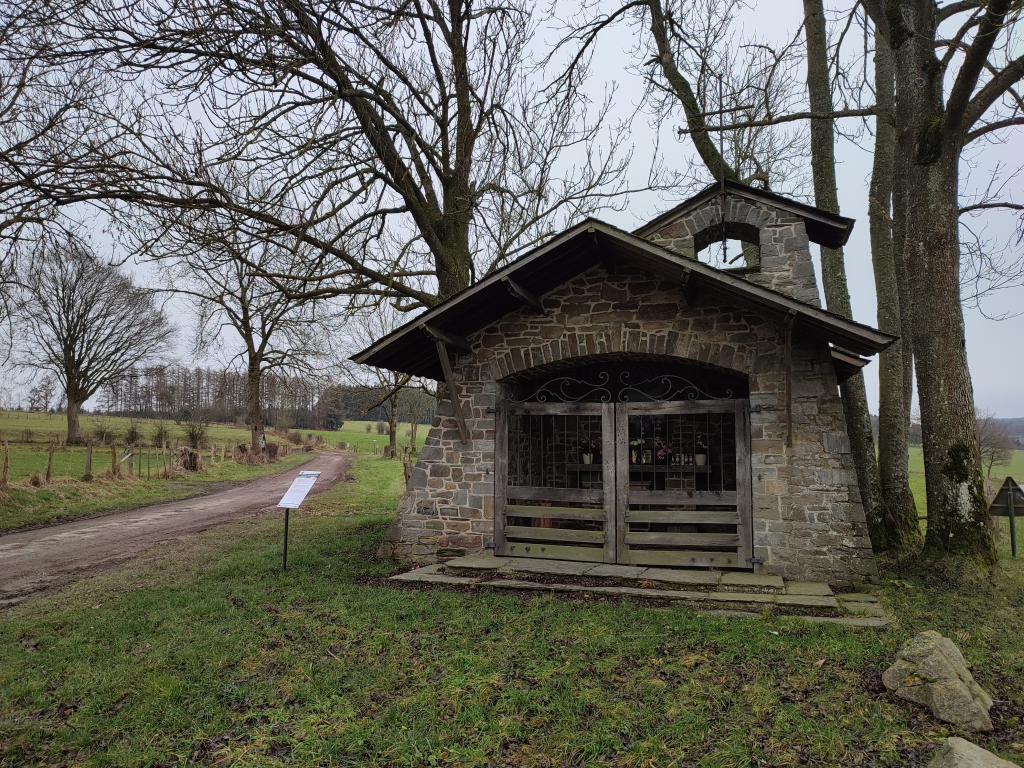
694 578
557 567
741 597
856 597
531 585
660 594
612 571
760 580
807 588
849 621
479 562
812 601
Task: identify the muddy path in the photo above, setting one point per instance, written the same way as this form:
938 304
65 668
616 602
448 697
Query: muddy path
47 559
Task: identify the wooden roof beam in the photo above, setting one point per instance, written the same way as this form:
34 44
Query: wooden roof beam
522 295
453 392
458 343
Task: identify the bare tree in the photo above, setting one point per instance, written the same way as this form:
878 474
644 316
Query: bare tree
953 87
208 258
995 445
85 322
405 142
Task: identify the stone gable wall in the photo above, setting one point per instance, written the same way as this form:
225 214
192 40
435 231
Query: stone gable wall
785 260
808 520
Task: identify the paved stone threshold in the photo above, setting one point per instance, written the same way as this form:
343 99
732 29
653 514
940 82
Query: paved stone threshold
710 591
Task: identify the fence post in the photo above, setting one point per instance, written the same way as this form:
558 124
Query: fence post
6 466
131 461
115 468
148 474
49 462
88 462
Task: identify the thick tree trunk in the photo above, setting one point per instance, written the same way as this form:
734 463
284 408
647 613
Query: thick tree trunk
957 509
899 528
254 407
833 268
74 427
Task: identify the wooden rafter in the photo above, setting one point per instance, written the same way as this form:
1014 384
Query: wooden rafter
453 391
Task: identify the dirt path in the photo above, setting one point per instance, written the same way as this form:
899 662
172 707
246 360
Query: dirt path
50 558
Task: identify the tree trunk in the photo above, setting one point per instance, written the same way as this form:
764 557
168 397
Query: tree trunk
899 528
393 425
833 268
254 407
74 427
957 508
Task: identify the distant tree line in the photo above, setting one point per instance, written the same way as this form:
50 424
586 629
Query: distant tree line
182 393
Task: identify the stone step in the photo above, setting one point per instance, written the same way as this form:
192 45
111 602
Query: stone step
865 614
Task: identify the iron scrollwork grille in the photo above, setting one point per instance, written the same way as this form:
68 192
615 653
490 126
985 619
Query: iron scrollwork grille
632 385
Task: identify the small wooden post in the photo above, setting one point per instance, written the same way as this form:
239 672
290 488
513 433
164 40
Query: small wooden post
115 468
213 454
6 467
147 465
223 452
1013 522
49 461
88 462
131 462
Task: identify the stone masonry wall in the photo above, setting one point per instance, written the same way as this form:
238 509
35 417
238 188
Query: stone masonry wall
808 520
785 261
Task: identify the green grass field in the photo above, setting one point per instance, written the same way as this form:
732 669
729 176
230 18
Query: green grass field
204 653
67 497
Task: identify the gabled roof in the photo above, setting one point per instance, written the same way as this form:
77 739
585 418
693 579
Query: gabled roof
409 349
824 228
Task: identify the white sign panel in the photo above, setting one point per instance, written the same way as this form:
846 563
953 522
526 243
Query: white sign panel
296 494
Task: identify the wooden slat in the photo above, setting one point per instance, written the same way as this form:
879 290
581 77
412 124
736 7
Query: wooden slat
453 392
622 492
725 498
683 516
555 409
500 474
554 551
608 480
560 513
553 534
663 539
682 407
743 487
682 559
579 495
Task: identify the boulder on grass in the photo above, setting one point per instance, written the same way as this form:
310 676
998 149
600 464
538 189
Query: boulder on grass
930 670
959 753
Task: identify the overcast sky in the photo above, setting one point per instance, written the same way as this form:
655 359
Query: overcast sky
995 348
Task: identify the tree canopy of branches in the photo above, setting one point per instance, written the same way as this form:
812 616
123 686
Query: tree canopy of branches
406 143
85 322
280 324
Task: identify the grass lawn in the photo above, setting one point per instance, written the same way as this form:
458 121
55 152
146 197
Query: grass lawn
204 653
68 498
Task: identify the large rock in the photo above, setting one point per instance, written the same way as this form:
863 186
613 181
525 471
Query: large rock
930 670
958 753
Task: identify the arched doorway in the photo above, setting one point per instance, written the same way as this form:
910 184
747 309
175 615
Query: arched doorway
635 460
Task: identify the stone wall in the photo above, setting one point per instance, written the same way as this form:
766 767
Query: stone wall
785 257
808 521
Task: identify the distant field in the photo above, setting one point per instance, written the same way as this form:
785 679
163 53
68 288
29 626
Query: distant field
67 497
24 427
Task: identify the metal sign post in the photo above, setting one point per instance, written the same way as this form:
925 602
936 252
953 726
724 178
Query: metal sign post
292 498
1003 505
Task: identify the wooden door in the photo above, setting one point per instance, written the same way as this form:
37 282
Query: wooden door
683 484
554 481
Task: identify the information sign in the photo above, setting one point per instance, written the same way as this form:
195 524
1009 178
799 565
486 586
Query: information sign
1007 503
292 498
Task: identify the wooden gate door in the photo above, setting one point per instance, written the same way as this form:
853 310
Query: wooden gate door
554 486
683 484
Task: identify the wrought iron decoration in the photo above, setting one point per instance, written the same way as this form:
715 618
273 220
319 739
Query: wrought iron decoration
638 384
